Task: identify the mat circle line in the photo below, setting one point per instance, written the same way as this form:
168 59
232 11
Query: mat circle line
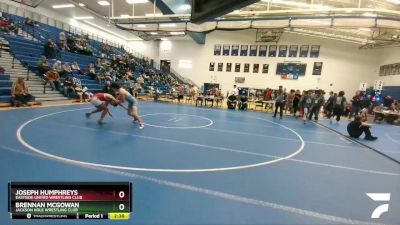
247 166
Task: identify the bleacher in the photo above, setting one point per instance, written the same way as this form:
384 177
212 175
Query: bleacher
29 52
5 88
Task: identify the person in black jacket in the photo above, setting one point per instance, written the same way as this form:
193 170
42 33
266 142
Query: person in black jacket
231 102
356 127
339 103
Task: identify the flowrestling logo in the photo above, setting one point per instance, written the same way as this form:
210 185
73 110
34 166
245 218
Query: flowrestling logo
379 197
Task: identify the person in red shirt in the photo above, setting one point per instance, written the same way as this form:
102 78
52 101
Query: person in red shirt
101 101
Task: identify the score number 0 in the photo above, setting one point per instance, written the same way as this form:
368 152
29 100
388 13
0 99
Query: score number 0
121 206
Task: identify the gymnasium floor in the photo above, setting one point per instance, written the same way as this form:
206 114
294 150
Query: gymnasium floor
201 166
388 135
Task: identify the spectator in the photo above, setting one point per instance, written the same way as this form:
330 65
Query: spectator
75 67
4 25
388 101
339 104
81 92
29 22
306 102
91 71
43 65
318 102
69 90
20 93
355 105
280 100
63 41
231 102
329 105
57 67
356 127
2 70
296 102
66 68
50 49
54 79
243 102
289 102
378 111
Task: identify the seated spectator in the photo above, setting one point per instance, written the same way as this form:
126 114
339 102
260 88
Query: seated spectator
75 67
54 79
243 103
66 68
29 21
50 49
14 28
2 70
231 102
57 67
81 92
378 113
69 90
63 41
4 25
388 101
43 65
20 93
91 71
356 127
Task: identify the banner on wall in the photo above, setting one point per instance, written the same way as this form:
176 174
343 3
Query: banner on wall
235 50
212 65
253 50
272 51
317 69
228 67
378 85
239 80
255 68
237 67
262 51
363 86
243 50
246 67
282 51
314 53
226 49
217 49
304 51
293 49
220 66
265 68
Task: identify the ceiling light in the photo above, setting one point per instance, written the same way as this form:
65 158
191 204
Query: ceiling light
236 11
369 14
185 7
103 3
167 25
349 11
153 33
394 1
164 39
364 29
124 15
153 14
63 6
177 33
81 4
141 25
83 17
137 1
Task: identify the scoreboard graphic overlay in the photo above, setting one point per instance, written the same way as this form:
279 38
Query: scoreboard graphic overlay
72 200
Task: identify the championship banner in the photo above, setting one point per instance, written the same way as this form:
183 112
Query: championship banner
225 50
235 50
363 86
